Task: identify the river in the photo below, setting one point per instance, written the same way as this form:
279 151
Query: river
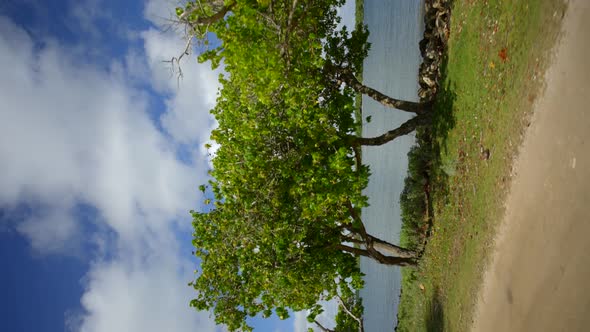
392 67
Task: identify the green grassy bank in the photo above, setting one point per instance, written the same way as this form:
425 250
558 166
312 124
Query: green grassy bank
497 54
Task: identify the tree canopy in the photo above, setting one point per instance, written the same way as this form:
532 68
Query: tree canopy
282 226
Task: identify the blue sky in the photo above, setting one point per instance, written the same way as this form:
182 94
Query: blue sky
101 156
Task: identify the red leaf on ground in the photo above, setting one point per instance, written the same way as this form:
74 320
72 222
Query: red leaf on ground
503 54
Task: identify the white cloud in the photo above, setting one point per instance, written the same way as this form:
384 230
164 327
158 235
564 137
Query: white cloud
347 15
326 318
86 13
73 133
51 232
160 12
130 296
198 85
300 323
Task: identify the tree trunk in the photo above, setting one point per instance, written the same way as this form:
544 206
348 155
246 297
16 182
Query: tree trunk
380 257
406 128
375 248
390 249
402 105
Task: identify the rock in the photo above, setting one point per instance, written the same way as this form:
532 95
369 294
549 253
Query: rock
430 82
432 46
422 45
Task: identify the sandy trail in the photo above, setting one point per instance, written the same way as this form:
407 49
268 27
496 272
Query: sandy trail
539 276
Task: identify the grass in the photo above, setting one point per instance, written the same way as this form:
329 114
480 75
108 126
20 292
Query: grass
493 72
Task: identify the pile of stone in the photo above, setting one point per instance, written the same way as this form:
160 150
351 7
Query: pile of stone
436 33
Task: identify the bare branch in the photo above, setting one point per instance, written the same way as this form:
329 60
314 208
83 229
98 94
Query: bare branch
360 321
176 60
290 19
323 328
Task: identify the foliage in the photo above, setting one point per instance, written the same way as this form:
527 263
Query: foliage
286 186
282 178
414 197
344 321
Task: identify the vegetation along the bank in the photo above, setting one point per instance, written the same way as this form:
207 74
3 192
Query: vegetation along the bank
460 170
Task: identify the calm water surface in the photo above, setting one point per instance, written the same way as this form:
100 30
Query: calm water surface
391 67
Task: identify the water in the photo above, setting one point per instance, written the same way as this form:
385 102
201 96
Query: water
392 68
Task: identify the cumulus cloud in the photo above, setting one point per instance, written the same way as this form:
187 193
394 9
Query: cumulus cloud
159 12
326 318
85 14
74 134
347 15
141 296
52 231
181 120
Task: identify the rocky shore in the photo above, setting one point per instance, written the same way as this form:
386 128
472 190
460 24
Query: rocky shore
437 16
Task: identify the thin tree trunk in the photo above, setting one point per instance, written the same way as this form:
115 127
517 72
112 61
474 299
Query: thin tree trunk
395 255
406 128
390 249
353 250
378 256
402 105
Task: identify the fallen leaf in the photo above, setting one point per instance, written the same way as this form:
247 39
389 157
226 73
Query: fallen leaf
503 54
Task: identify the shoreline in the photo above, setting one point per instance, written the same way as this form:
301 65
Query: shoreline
546 205
490 77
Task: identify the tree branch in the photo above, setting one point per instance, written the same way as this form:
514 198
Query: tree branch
271 21
206 20
346 75
357 157
353 250
357 218
402 256
290 19
176 60
360 321
323 328
406 128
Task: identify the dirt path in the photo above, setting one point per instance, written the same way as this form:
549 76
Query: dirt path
539 277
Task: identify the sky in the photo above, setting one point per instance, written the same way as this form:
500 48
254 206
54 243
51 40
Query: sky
101 155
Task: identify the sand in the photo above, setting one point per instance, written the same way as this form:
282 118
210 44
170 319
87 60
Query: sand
539 276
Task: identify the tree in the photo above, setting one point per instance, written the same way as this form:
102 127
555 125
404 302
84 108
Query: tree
282 227
294 28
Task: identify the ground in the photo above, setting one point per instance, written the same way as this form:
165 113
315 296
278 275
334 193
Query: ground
493 78
538 277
